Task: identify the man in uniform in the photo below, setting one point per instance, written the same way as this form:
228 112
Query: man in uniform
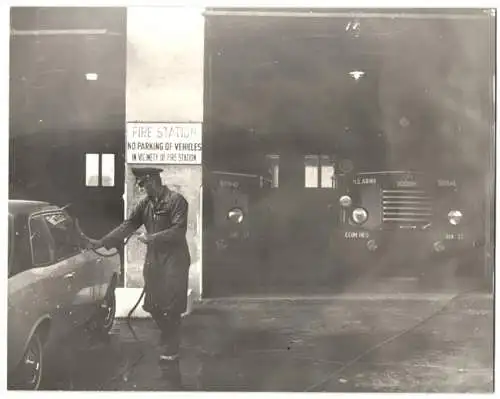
164 214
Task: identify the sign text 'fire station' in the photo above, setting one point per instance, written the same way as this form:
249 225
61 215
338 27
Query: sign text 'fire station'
177 143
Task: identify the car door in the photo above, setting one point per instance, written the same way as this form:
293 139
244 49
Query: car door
82 267
40 286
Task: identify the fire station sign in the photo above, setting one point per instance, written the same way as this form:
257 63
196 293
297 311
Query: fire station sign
168 143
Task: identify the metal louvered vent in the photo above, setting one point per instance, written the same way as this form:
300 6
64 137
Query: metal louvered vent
406 206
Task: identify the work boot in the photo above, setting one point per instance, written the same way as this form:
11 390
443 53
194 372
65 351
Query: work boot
168 358
170 372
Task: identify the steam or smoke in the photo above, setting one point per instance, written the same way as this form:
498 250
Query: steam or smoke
424 102
436 96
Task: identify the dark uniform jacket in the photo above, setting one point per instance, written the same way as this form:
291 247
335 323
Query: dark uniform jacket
166 268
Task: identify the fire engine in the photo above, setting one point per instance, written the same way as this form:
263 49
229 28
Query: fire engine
406 213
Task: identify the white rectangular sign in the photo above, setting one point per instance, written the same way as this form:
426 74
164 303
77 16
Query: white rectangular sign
170 143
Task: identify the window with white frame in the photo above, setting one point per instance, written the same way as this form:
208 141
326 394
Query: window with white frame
319 171
273 162
311 163
100 170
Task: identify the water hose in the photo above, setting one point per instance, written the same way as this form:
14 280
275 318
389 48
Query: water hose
88 239
124 373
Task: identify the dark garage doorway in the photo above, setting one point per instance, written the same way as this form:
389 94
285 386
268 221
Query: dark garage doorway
288 97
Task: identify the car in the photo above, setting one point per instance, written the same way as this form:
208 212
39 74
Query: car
55 285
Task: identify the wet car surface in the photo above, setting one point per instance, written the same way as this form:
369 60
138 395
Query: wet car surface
55 286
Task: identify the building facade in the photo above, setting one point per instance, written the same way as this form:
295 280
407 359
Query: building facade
251 114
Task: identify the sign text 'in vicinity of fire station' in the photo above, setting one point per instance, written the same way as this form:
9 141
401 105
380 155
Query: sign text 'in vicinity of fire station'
171 143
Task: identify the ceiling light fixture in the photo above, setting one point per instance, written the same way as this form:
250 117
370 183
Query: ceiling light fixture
356 75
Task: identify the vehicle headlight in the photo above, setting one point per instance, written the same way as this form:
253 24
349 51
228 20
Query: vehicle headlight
345 201
455 217
235 215
359 215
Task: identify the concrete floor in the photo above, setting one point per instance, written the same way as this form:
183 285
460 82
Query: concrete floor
299 345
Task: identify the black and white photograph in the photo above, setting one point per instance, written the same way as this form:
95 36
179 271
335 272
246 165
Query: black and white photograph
251 199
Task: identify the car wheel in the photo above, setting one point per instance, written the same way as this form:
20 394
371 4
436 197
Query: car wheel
106 315
28 375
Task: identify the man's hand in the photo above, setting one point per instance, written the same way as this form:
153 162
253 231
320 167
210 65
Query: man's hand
145 238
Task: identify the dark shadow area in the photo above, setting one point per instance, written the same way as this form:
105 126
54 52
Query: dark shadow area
60 118
81 362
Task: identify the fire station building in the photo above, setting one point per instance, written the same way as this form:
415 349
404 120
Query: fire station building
255 116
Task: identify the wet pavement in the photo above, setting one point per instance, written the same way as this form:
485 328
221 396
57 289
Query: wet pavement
351 344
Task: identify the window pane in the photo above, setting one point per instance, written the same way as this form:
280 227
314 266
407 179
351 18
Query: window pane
63 234
41 245
327 172
92 170
108 170
274 169
311 170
